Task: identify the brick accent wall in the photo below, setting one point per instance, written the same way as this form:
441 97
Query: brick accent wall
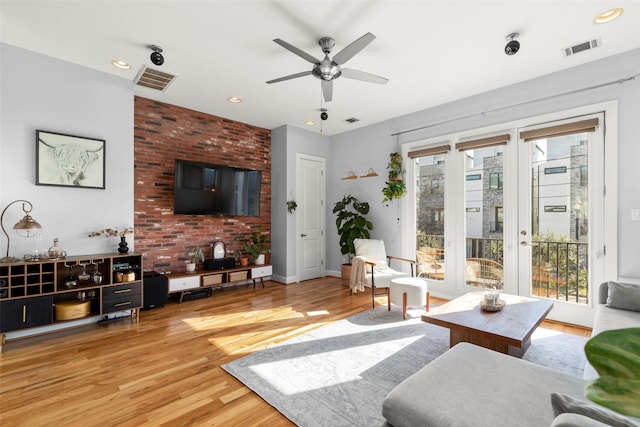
164 132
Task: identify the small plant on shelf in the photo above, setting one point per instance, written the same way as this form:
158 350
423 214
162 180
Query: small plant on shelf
240 257
256 245
195 253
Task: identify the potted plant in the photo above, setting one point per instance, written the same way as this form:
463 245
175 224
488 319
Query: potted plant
194 253
395 186
241 257
352 224
256 245
393 190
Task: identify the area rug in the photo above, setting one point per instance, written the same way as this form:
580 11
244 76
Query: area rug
339 374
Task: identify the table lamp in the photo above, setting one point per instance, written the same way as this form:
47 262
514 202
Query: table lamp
25 227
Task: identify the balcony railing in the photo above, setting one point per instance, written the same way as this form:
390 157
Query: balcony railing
559 269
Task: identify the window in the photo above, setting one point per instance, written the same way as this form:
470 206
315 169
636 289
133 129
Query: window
498 221
556 169
495 181
435 186
474 177
473 209
584 176
437 215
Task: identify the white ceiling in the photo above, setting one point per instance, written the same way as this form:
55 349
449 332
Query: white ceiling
432 52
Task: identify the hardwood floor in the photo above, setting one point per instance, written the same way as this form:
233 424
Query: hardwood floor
165 370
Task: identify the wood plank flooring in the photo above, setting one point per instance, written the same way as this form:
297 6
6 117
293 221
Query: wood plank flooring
165 370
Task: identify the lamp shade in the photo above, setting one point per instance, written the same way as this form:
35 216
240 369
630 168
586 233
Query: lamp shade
26 225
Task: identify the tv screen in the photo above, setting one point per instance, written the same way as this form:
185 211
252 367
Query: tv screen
206 189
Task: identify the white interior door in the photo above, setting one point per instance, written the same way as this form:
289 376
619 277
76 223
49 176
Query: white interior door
310 184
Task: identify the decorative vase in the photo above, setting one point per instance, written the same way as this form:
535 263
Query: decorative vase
122 246
260 259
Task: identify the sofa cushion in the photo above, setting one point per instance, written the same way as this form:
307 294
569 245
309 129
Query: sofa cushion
567 404
472 386
624 296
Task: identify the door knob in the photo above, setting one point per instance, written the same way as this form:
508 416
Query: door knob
303 235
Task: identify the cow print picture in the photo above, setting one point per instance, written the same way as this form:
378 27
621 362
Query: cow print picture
70 161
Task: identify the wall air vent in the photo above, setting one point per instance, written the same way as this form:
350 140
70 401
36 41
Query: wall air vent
154 79
581 47
352 120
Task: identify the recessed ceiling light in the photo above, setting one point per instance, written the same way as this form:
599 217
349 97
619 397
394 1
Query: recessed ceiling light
609 15
120 64
309 123
234 100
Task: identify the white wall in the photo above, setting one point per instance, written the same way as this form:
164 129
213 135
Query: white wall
40 92
286 142
370 146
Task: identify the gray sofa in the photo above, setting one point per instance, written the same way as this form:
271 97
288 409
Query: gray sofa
472 386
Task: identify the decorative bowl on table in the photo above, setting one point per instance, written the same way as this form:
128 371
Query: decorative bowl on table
492 306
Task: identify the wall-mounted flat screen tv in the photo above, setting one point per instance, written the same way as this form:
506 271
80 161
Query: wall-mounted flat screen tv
207 189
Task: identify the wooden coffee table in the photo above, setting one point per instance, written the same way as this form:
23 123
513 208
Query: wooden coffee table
507 331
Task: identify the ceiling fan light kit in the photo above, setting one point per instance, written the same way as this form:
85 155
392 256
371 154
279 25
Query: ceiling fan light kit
329 69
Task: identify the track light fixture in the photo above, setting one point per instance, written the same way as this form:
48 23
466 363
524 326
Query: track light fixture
513 45
156 55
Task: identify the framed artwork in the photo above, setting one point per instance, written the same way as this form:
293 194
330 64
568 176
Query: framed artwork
69 161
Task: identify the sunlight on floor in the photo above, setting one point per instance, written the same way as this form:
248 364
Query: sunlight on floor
292 375
541 333
317 313
218 321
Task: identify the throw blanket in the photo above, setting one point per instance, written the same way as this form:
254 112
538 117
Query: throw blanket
358 273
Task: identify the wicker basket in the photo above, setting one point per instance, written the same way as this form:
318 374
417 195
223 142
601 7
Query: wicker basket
69 310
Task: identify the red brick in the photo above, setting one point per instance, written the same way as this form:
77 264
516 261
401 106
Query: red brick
164 132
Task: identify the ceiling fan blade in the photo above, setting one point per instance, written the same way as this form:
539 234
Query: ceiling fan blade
351 50
289 77
301 53
365 77
327 90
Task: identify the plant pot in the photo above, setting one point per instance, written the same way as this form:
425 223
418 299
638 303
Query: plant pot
244 261
345 271
260 259
190 266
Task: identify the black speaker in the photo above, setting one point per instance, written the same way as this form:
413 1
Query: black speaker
219 264
155 288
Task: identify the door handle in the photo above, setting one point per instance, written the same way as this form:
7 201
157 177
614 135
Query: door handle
523 243
303 235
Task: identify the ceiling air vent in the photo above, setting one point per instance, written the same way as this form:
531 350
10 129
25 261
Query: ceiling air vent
154 79
581 47
352 120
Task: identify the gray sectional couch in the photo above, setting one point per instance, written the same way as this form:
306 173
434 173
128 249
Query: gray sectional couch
472 386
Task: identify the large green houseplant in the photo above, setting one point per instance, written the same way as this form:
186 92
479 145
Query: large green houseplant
351 222
615 355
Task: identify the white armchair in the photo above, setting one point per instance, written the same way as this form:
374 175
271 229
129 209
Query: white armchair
378 273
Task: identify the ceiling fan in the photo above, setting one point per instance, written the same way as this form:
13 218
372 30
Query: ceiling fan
327 70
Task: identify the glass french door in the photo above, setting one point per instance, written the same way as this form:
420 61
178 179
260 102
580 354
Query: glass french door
560 169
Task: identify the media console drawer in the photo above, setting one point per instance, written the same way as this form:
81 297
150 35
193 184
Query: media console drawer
184 283
264 271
